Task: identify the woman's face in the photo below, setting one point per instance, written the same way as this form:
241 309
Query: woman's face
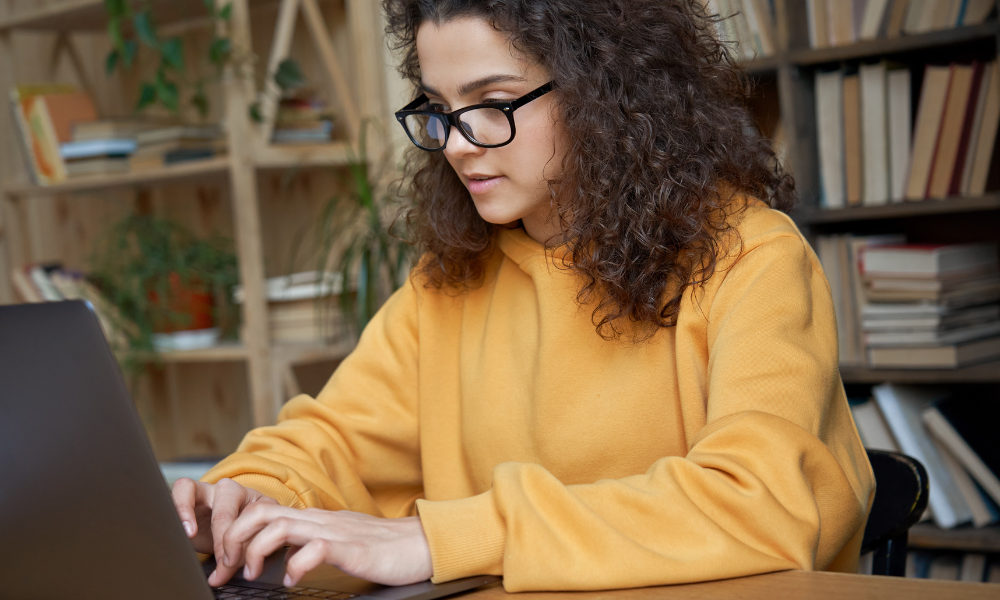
465 61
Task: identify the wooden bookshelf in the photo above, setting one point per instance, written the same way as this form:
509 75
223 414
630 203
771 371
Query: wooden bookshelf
901 210
931 537
982 373
188 171
344 58
889 47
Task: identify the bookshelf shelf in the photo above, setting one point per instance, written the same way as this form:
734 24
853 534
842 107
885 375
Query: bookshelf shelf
212 167
89 15
220 353
931 537
983 373
879 48
902 210
277 156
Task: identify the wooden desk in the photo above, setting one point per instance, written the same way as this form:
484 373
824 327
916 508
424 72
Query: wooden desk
776 586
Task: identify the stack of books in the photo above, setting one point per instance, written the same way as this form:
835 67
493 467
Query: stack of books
951 435
103 146
53 283
45 115
302 119
748 25
871 155
174 144
840 22
930 306
303 307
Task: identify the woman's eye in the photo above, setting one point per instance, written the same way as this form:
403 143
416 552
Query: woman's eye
437 107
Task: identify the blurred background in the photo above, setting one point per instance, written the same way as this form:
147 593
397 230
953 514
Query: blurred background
214 176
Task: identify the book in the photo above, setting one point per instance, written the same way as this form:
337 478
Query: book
177 132
895 19
943 320
855 246
898 84
819 31
960 88
928 260
976 11
24 286
874 16
840 17
985 141
967 427
829 257
115 128
95 148
874 133
982 515
918 17
903 408
969 142
853 147
945 567
758 16
949 356
872 427
830 132
973 567
100 165
39 141
930 114
955 335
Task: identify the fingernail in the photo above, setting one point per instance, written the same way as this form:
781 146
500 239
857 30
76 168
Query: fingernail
287 581
212 576
188 528
225 563
246 572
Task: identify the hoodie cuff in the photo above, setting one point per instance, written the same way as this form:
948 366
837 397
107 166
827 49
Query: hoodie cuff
467 537
270 486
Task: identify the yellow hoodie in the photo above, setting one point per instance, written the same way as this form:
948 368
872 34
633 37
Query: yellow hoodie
533 448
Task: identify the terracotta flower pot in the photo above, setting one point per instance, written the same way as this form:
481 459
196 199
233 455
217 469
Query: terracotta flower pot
189 300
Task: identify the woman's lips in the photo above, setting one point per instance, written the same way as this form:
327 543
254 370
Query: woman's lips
481 186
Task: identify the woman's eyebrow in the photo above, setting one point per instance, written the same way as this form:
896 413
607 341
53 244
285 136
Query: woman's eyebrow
467 88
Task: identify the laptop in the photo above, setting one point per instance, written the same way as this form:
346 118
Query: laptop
84 510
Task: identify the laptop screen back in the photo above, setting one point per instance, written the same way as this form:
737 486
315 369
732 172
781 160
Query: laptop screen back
83 508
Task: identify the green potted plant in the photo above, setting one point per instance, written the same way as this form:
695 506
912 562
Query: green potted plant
359 237
163 279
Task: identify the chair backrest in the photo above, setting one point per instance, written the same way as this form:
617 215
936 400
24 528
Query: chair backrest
901 489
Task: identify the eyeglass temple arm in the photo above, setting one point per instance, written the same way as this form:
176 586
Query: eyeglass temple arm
533 95
421 99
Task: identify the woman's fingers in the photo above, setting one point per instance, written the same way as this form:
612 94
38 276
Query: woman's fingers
278 532
184 494
306 559
251 521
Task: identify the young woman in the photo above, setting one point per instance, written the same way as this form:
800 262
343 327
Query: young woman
616 363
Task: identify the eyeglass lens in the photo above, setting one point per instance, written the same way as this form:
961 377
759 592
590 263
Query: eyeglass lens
487 126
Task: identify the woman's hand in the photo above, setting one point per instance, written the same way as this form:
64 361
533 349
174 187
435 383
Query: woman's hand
208 511
386 551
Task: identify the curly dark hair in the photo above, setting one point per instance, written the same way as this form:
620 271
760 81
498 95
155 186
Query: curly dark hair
660 145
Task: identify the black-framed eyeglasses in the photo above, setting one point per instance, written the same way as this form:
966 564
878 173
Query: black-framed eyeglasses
489 125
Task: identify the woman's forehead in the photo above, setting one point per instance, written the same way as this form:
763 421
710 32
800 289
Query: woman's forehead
458 51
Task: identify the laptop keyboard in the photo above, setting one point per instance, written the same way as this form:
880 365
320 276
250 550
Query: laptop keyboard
236 592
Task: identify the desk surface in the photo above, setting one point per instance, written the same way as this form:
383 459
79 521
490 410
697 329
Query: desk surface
777 586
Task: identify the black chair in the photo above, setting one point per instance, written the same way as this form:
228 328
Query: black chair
900 498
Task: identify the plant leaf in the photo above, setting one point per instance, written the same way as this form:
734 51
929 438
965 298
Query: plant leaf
172 51
167 92
144 29
200 99
226 13
111 61
147 96
255 114
130 48
116 8
289 75
115 34
219 51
